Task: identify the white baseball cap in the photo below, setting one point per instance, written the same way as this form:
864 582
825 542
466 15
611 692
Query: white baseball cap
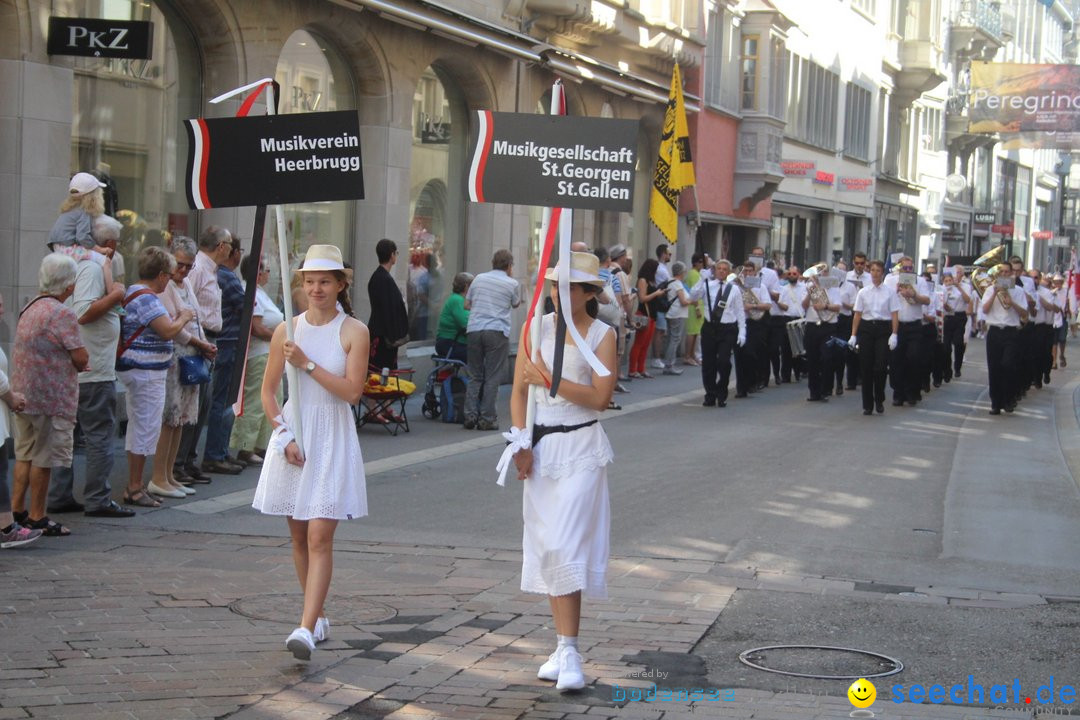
83 183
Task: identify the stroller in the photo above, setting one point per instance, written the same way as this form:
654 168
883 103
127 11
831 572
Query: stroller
444 394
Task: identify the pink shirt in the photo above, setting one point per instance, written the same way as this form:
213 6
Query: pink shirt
43 371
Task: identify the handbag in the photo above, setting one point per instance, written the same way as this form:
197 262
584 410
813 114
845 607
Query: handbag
193 370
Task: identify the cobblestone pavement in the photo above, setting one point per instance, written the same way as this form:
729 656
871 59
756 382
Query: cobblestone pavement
138 623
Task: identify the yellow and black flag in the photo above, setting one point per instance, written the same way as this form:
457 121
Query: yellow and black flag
674 168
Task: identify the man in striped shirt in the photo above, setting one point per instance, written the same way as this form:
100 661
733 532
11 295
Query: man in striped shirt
491 298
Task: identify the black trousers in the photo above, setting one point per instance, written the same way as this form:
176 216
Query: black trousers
1028 355
748 358
780 348
955 325
1044 336
1002 364
929 352
873 355
905 363
849 360
819 369
717 343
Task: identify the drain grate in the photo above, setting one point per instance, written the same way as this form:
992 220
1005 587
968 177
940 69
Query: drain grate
823 662
286 607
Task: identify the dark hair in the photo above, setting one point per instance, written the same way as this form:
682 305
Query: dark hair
859 255
343 296
648 270
879 263
502 259
385 249
246 268
601 254
697 258
660 250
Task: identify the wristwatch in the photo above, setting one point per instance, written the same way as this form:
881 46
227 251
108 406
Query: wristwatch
310 367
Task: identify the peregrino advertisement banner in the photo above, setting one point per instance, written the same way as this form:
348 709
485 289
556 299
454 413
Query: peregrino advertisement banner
553 161
274 159
1017 97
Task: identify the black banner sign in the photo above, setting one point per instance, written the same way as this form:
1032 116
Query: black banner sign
88 37
553 161
274 159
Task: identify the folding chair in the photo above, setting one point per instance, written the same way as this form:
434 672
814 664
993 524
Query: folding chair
386 402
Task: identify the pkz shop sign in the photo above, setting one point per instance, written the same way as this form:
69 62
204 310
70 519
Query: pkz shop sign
88 37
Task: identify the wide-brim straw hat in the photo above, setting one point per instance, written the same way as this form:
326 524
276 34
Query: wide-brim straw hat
322 258
584 268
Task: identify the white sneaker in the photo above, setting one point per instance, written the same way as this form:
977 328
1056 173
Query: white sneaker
570 675
300 643
322 630
658 363
550 669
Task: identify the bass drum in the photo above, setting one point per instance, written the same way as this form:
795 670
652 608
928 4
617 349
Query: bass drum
796 332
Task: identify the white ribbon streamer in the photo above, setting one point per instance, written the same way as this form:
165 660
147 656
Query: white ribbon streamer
519 439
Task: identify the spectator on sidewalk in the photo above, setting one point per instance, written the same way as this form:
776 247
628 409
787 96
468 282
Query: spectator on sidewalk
251 431
491 299
181 401
621 265
660 332
389 321
695 315
49 354
215 244
677 313
72 234
146 354
454 321
219 421
12 534
95 305
647 309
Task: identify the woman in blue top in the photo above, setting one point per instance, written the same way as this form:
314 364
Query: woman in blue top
145 354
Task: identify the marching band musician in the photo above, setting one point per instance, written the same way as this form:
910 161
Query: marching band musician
857 278
929 349
956 318
1045 311
905 362
874 327
724 330
1026 348
850 361
1005 309
751 360
786 299
946 298
821 310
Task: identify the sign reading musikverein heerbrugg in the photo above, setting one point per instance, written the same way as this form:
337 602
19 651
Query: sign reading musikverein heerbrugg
274 159
553 161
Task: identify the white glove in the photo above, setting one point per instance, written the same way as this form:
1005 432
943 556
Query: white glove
893 341
741 340
852 342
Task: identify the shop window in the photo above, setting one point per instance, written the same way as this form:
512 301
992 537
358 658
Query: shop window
314 78
126 125
436 248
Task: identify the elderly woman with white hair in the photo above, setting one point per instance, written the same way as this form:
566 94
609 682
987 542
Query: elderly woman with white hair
48 355
181 400
144 357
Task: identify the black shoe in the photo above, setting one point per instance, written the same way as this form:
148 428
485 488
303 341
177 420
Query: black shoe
1038 384
220 467
709 402
112 510
486 425
995 411
68 507
936 385
897 403
1010 407
839 391
867 412
197 476
21 517
741 395
956 374
721 403
880 407
776 380
1046 380
948 380
469 424
851 387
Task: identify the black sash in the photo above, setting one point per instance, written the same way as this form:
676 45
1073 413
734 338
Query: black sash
717 311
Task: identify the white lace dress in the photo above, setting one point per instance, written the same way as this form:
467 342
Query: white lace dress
331 483
565 505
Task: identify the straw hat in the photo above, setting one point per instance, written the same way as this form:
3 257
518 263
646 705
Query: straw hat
584 268
322 258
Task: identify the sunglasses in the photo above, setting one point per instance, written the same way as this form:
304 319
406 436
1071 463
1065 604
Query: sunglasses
184 266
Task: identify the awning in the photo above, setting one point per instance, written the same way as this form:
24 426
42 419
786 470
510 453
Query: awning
722 219
473 31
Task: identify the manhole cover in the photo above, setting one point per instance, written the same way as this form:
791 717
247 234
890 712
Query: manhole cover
820 661
286 607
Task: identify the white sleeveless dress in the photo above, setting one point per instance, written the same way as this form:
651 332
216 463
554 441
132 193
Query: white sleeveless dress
331 483
565 505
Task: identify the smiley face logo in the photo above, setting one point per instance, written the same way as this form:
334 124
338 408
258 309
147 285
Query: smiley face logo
862 693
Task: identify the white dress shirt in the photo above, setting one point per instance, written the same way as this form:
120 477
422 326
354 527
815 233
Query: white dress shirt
960 304
860 281
711 290
877 302
791 295
848 291
1042 315
909 311
813 316
203 279
769 278
998 316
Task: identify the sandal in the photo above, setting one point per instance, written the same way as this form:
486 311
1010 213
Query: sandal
646 374
374 417
141 499
47 527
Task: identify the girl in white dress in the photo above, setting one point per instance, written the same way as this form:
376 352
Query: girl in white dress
565 506
322 483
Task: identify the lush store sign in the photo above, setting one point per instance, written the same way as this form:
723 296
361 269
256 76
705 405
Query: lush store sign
88 37
274 159
553 161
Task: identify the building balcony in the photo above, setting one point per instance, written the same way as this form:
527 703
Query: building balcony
757 162
977 30
922 66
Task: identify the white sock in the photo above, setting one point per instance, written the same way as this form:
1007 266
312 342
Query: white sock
567 640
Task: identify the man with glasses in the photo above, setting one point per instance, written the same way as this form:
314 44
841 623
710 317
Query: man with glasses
215 246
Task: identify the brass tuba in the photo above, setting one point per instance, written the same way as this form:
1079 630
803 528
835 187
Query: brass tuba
819 297
985 272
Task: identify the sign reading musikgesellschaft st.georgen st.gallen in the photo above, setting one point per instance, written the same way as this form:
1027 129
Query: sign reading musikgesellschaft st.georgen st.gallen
553 161
274 159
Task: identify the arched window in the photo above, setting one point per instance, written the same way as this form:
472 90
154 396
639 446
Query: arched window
436 245
314 78
126 120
